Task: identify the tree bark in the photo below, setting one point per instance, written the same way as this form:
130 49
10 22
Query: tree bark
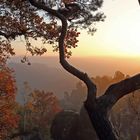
98 111
118 90
101 124
98 115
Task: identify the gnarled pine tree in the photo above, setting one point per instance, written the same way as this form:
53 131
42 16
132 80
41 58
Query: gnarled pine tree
39 19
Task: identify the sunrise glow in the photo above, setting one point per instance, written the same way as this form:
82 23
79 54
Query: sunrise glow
118 36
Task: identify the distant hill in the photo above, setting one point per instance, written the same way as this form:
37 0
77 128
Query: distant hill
41 76
94 65
47 74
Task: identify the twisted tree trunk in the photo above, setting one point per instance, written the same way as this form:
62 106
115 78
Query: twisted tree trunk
101 124
97 108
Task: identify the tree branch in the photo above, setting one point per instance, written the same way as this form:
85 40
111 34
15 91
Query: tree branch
45 8
139 1
118 90
11 35
74 71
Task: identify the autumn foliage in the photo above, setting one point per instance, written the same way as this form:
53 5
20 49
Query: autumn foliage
43 106
8 118
38 111
20 18
16 20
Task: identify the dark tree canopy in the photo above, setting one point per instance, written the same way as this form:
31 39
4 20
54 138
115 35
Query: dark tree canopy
20 18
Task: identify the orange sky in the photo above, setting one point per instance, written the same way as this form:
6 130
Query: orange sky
118 36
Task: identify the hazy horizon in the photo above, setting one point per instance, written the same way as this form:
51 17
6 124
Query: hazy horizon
94 65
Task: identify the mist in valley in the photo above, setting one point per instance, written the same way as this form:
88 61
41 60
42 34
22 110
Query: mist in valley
47 74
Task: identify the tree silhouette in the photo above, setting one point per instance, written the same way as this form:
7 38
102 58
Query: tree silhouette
22 17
